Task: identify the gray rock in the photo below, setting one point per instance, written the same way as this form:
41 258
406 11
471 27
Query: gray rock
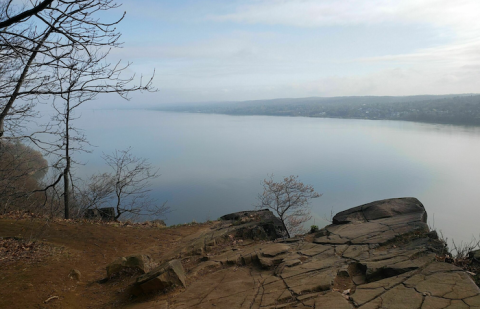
271 225
378 255
381 209
169 274
375 223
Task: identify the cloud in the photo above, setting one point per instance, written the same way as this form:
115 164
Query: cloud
461 15
209 61
234 45
389 81
397 81
452 55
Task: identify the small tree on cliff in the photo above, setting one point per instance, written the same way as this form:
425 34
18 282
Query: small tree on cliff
127 188
289 199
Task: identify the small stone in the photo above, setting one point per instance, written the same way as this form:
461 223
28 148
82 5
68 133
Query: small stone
75 275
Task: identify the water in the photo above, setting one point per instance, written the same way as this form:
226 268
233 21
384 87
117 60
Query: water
211 165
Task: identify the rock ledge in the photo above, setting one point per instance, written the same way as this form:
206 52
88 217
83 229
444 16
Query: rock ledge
377 255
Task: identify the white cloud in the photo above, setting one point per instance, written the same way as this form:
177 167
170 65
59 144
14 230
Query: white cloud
235 45
242 62
461 15
452 55
390 81
397 81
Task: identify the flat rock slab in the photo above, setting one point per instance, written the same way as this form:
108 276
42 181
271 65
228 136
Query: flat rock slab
275 249
224 289
375 256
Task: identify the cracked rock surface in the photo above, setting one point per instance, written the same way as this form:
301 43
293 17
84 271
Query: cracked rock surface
377 255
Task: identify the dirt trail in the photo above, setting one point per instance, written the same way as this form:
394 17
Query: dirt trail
27 282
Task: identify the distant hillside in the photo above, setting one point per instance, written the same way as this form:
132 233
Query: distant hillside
461 109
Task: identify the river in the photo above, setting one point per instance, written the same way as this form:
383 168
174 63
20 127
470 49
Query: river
211 165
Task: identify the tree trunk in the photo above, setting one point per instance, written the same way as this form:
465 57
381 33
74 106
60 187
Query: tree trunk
285 227
66 193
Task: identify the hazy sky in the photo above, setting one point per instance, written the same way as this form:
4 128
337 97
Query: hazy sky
214 50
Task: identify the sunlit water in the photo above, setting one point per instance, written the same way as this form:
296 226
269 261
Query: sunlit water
214 164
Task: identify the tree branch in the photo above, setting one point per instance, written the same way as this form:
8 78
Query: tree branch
26 14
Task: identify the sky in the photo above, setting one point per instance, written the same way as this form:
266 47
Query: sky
217 50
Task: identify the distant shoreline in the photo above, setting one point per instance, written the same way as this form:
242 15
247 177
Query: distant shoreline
462 110
476 124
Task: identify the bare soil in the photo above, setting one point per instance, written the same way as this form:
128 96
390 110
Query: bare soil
36 258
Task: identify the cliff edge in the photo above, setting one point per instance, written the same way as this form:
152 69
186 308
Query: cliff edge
377 255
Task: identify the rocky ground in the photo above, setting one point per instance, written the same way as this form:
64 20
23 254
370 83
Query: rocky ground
378 255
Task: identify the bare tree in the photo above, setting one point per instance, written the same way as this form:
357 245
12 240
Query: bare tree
38 40
69 138
126 188
97 192
289 199
132 177
57 51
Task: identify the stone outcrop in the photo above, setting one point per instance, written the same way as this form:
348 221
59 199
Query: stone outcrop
268 226
167 275
378 255
237 228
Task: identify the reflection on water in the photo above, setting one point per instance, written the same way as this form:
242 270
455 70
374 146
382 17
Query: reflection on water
214 164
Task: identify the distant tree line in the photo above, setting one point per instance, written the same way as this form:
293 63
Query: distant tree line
449 109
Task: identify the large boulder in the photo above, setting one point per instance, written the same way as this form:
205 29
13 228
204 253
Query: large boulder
134 263
375 223
382 209
267 225
169 274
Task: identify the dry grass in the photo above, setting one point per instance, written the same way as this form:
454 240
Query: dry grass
459 256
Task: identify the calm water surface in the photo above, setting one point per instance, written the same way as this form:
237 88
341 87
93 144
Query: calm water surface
214 164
